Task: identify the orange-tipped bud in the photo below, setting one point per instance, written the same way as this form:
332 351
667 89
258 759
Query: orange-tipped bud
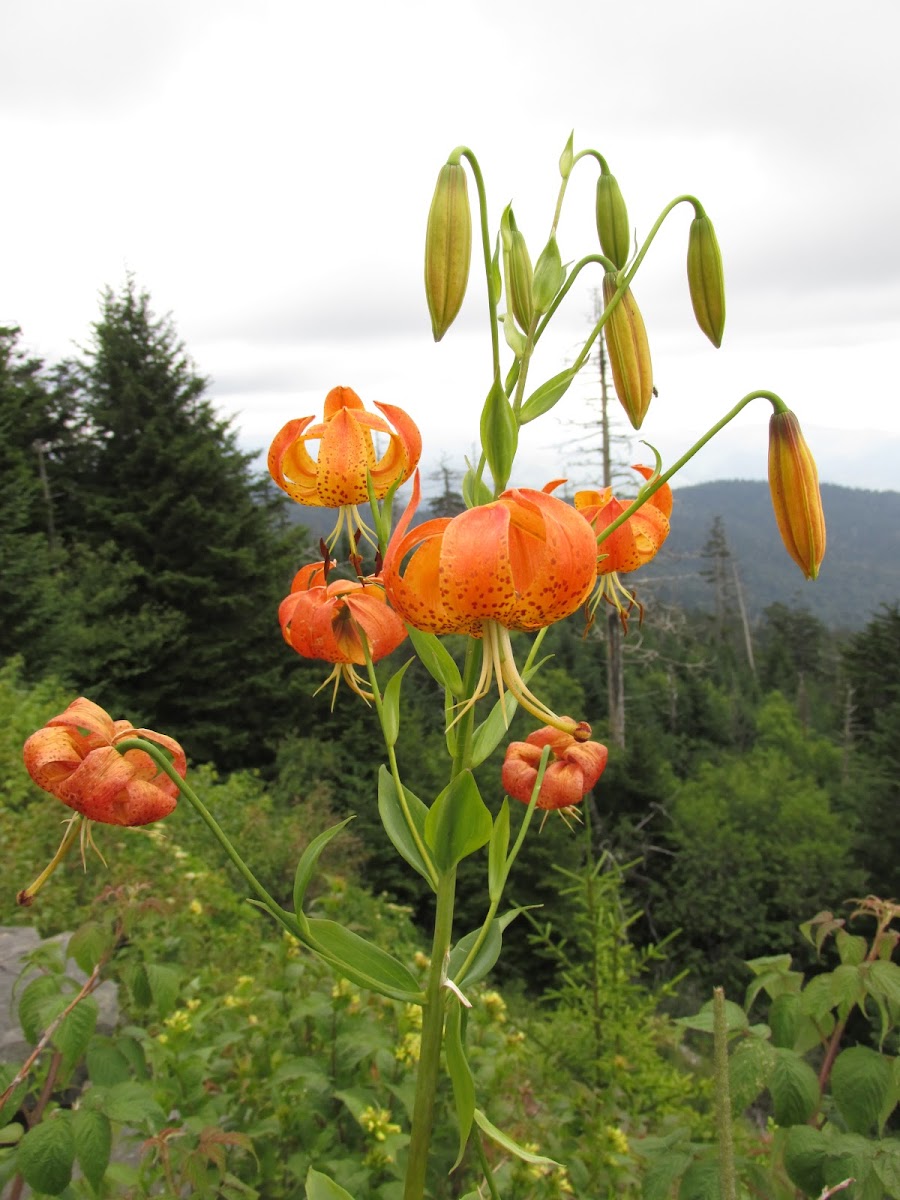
629 352
612 220
448 248
794 484
706 279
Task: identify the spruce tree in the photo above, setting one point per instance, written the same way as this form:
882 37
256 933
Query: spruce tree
186 551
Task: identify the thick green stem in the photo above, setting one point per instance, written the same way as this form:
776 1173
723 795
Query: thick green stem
432 1040
723 1097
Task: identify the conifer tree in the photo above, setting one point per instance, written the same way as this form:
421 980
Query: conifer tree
161 501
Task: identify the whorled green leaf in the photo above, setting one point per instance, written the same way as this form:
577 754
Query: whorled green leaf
750 1068
487 955
320 1187
93 1144
497 851
46 1155
545 397
396 826
88 945
75 1030
458 822
493 729
460 1077
436 659
308 861
862 1087
509 1144
499 434
794 1087
805 1156
361 961
390 706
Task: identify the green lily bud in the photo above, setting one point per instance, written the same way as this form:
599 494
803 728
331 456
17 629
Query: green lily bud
518 269
567 158
706 279
549 276
448 248
612 220
629 352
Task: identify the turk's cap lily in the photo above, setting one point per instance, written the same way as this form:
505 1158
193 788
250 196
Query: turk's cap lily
74 758
796 499
346 453
524 561
638 539
574 768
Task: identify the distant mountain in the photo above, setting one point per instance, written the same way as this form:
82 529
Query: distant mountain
861 570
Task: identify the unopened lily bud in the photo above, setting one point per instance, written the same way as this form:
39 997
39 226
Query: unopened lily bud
612 220
549 276
567 158
706 278
629 352
518 269
794 485
448 248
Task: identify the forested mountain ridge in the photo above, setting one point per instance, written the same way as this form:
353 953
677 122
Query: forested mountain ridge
861 570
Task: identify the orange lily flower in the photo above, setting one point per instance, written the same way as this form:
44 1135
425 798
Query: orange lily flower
572 771
74 757
633 544
336 478
330 620
522 562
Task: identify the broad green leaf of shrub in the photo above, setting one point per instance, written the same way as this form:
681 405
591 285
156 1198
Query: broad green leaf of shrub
852 1156
886 1166
395 826
862 1088
701 1181
41 1001
46 1154
88 945
750 1068
882 982
851 949
773 975
794 1087
132 1103
320 1187
106 1064
805 1155
93 1144
662 1174
458 823
847 987
75 1030
735 1018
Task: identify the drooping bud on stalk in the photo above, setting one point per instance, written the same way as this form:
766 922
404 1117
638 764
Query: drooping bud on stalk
518 270
612 220
794 484
448 248
549 276
629 352
706 278
567 158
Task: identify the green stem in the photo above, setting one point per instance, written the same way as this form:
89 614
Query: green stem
465 152
654 486
723 1097
159 757
432 1040
484 1164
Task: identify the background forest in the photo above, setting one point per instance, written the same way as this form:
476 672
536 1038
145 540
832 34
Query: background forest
752 784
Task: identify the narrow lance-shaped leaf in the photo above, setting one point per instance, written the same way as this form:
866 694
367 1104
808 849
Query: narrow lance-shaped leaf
458 823
395 824
390 705
308 860
460 1077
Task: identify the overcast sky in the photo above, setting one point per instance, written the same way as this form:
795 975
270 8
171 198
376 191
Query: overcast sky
264 167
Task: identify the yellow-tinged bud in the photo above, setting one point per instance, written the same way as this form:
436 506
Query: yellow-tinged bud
549 276
706 279
448 248
794 484
629 352
612 220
